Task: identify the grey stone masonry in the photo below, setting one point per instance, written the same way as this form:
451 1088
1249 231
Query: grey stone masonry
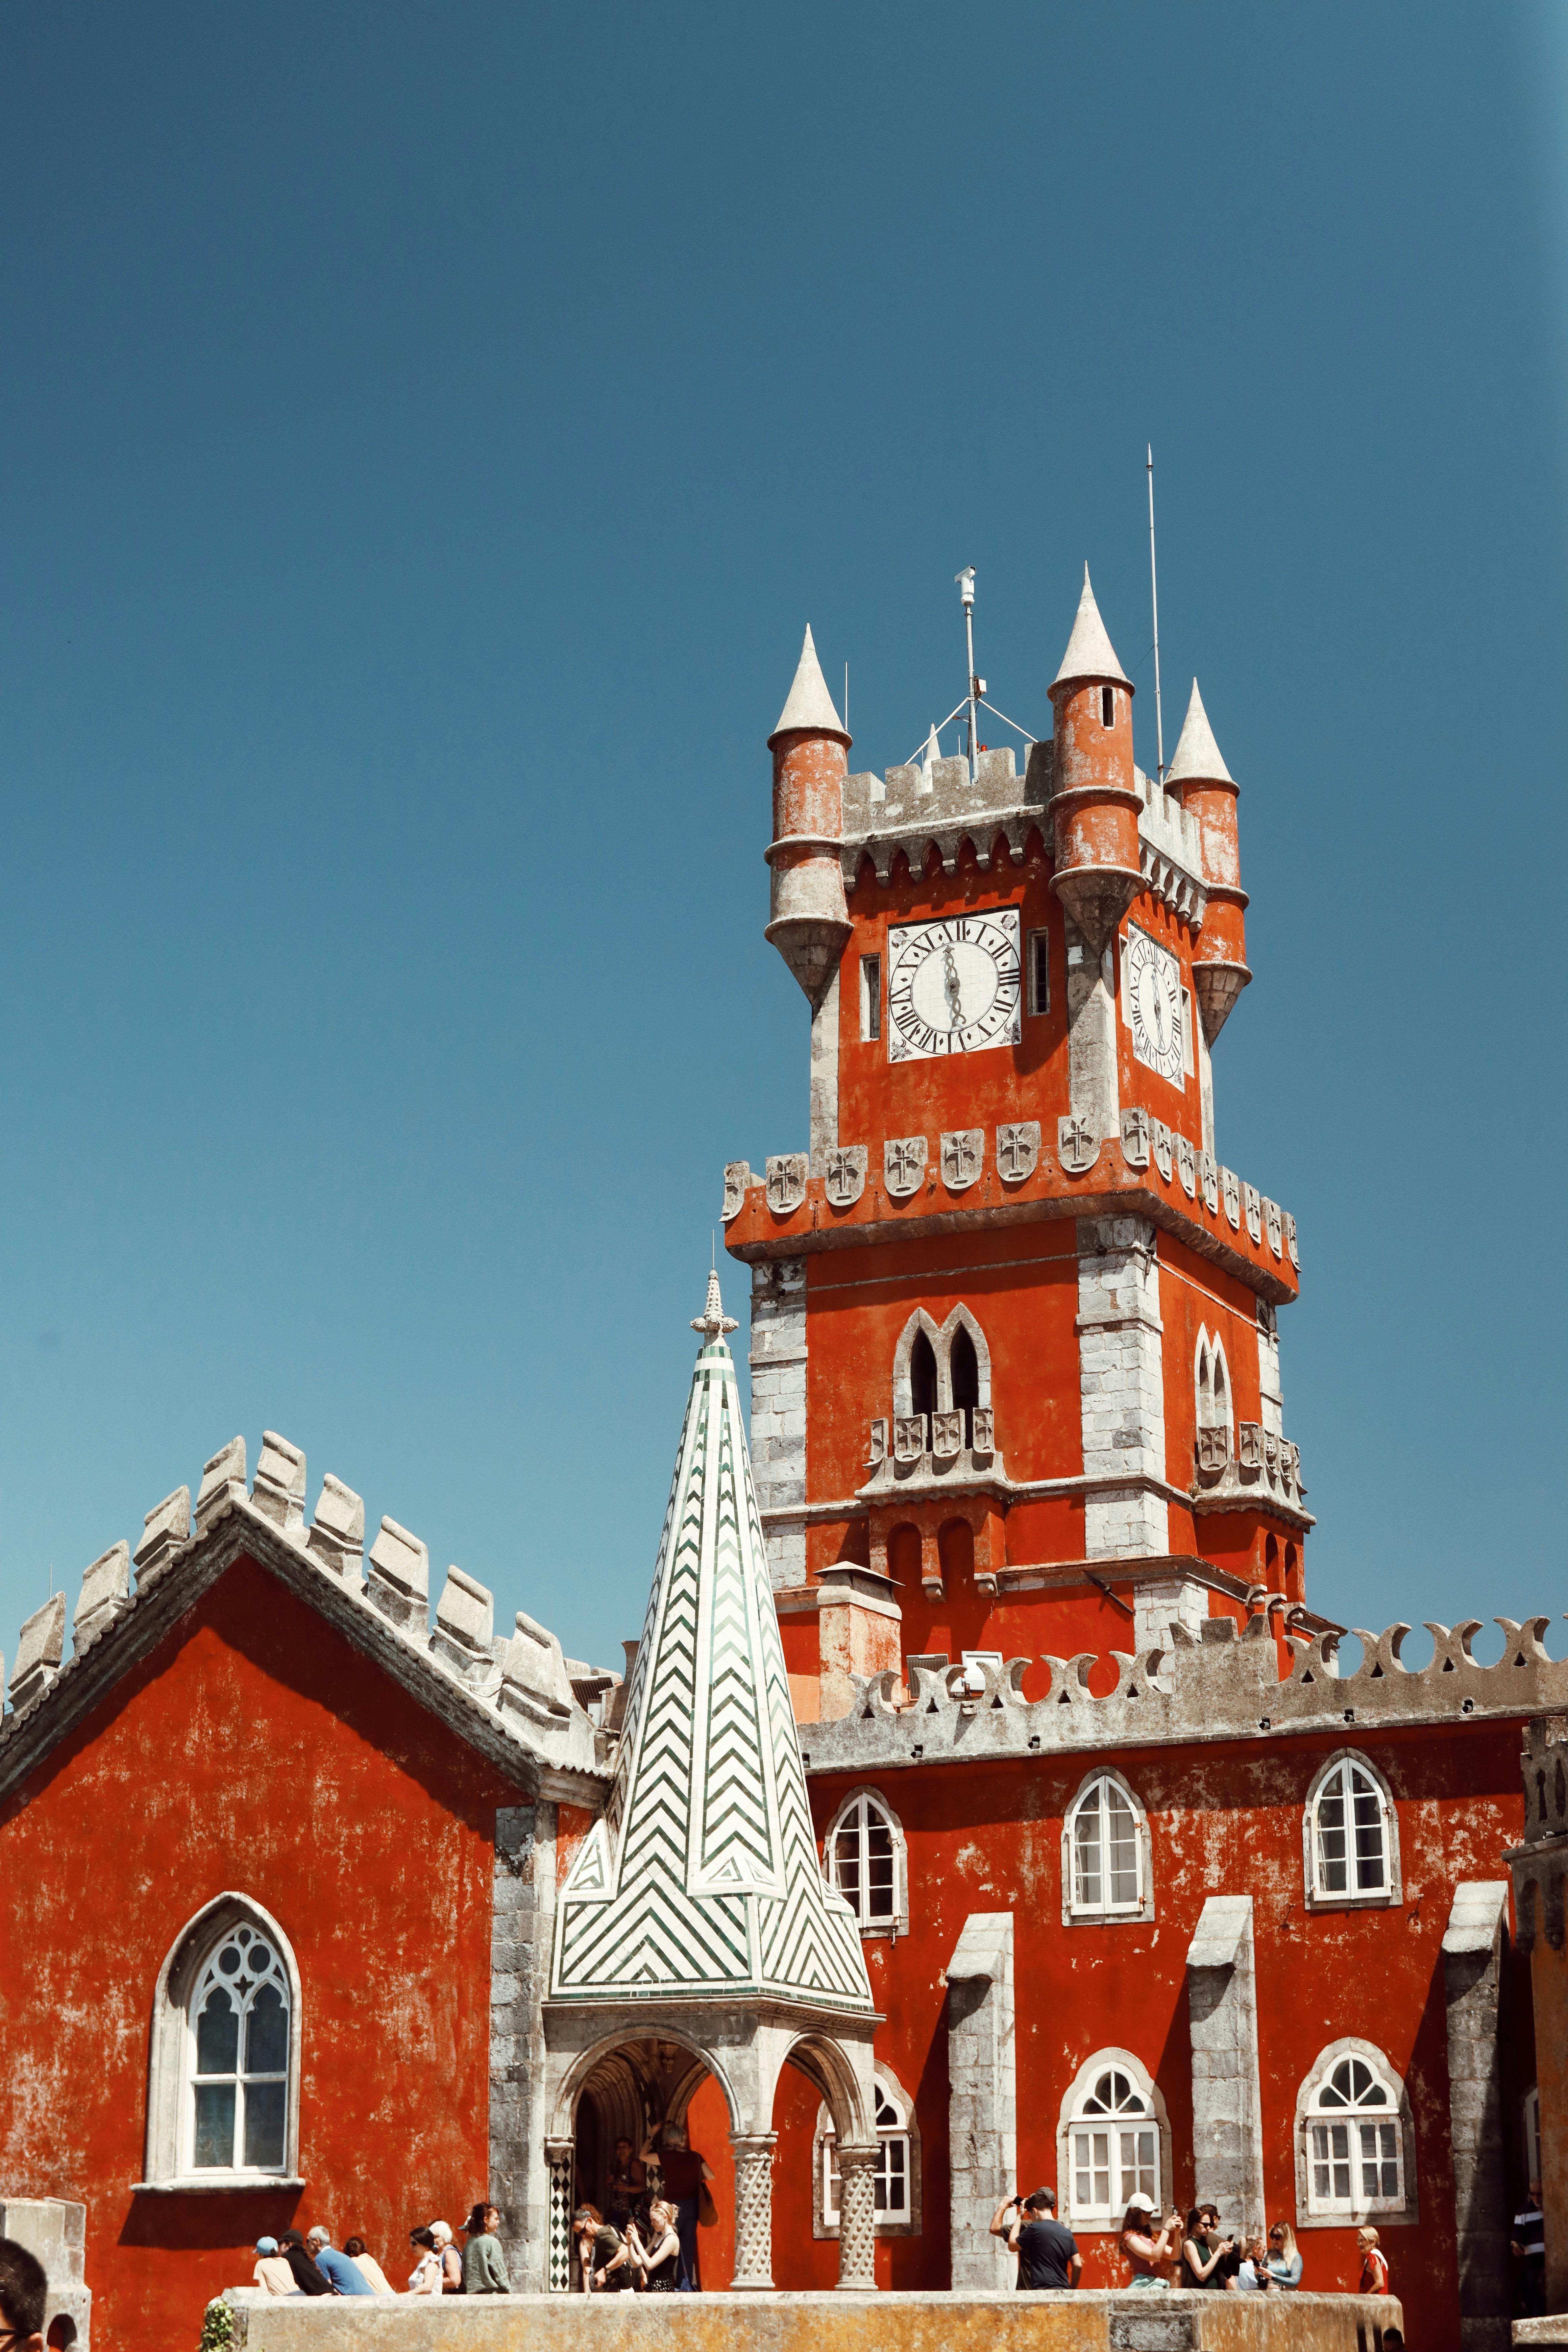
55 2230
520 1963
778 1410
982 2098
1227 2099
1472 1982
1092 1083
1122 1386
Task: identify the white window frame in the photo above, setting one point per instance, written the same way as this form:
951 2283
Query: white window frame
1097 2216
899 2146
1105 1913
870 999
1316 2211
170 2149
1373 1898
860 1803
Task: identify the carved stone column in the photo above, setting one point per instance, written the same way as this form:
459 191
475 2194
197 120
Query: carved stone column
858 2218
561 2156
753 2210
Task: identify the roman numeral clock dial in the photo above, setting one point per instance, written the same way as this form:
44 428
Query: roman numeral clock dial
1154 1005
953 986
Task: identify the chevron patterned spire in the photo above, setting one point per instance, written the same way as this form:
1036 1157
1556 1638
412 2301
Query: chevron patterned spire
701 1875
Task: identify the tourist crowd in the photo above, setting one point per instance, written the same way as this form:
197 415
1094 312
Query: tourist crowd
1163 2255
311 2265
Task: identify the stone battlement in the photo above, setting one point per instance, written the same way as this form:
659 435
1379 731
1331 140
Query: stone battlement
1220 1686
519 1681
1088 2321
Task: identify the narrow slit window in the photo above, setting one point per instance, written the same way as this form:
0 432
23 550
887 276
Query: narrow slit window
870 997
1108 706
1039 972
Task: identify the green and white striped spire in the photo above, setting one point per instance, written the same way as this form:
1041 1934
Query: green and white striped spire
701 1876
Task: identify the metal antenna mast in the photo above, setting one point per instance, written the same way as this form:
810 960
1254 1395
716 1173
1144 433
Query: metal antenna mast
965 585
1154 593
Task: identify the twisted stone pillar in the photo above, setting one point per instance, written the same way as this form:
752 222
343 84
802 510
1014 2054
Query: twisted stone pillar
753 2210
858 2218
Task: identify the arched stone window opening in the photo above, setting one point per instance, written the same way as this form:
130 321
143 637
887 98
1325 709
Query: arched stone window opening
1354 2148
1106 1854
223 2092
1211 1392
922 1376
964 1372
1350 1835
1113 2142
865 1858
897 2173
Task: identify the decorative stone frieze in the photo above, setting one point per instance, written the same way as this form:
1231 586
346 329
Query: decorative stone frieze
844 1174
1264 1473
878 1453
786 1179
1252 1201
1078 1146
534 1683
105 1595
1209 1176
223 1482
1017 1150
1164 1150
909 1437
1230 1185
1274 1218
904 1165
165 1529
1135 1138
1213 1450
946 1436
337 1531
1187 1166
737 1184
962 1158
465 1624
1291 1240
279 1488
398 1584
40 1646
985 1430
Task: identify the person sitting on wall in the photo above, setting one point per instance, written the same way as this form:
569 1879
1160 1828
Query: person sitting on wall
658 2257
24 2292
1284 2257
1146 2251
1047 2253
685 2173
344 2272
484 2264
1374 2265
272 2273
425 2278
1203 2250
307 2277
370 2269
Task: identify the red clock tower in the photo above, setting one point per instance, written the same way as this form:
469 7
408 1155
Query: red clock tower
1015 1345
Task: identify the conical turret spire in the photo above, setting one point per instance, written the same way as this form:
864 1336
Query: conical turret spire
1089 652
809 705
701 1875
1198 759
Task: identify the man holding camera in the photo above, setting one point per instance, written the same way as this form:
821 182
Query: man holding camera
1047 2254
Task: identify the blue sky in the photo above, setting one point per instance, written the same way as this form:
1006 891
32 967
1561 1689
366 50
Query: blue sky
425 435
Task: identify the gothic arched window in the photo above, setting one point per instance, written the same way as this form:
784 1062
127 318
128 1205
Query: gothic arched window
1355 2157
963 1372
923 1375
1351 1835
866 1862
239 2057
1105 1852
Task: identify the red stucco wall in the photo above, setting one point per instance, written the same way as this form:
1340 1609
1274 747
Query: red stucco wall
256 1751
1222 1820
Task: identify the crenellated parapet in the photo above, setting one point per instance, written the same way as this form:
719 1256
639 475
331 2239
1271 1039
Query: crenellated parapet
1220 1684
512 1694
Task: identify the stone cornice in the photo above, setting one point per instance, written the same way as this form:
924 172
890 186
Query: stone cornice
166 1591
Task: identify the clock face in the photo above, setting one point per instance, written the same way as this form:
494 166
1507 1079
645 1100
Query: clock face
953 986
1154 1005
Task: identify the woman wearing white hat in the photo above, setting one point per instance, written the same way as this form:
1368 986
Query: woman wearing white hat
1148 2252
